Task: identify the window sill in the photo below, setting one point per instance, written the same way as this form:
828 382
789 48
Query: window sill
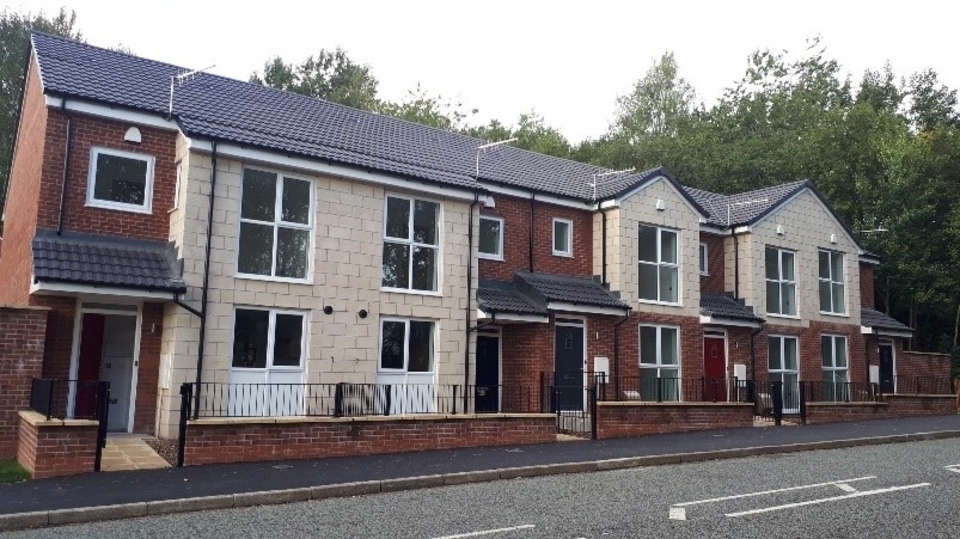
784 316
269 279
837 315
492 258
563 254
129 208
662 303
413 291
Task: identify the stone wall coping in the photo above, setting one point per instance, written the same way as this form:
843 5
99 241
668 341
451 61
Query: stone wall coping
947 396
931 354
672 404
295 420
40 420
826 404
5 307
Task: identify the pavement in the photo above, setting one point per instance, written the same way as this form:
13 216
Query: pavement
129 452
106 496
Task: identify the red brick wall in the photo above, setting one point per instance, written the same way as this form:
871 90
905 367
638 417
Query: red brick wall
252 442
516 239
691 344
148 373
56 448
810 353
926 364
920 405
21 360
714 281
893 406
88 132
866 285
16 260
622 420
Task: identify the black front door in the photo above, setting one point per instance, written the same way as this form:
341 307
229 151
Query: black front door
568 367
886 368
487 391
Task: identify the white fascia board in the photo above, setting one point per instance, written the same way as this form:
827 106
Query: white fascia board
327 169
873 261
673 187
606 204
867 330
716 321
712 229
118 114
548 199
506 317
586 309
42 288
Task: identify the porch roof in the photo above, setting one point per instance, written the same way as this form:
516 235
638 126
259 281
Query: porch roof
723 307
879 321
502 297
87 259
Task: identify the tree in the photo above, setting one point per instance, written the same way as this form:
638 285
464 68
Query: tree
423 108
330 75
658 103
931 104
15 30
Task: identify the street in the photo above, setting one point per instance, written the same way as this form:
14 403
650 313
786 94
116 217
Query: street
895 490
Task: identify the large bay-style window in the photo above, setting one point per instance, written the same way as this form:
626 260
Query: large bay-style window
783 366
406 369
120 180
411 244
269 354
831 282
659 363
833 353
659 264
781 282
276 224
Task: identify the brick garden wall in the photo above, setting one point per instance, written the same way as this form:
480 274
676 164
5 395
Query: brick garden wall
625 419
56 447
893 406
21 360
929 364
223 441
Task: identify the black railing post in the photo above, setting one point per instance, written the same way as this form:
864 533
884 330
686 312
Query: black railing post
338 400
592 395
455 399
186 392
777 395
103 413
659 389
803 404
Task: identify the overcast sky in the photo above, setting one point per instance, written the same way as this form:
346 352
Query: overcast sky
567 60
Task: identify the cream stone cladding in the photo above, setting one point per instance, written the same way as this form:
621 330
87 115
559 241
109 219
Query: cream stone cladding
346 274
678 214
613 246
807 227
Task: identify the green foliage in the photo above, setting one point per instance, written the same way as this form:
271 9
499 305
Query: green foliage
15 30
422 108
330 75
11 472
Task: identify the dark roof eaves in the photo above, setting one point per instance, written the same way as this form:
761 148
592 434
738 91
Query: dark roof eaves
664 173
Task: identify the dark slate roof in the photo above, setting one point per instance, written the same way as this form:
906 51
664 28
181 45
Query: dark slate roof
105 261
503 297
549 287
878 320
208 106
761 202
723 306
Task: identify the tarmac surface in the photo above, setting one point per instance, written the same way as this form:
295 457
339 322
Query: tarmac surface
138 493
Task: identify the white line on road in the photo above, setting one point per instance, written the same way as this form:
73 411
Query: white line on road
678 513
487 532
825 500
953 468
845 487
775 491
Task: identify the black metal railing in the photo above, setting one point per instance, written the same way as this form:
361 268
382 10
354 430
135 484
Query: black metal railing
840 391
652 389
923 385
51 398
360 400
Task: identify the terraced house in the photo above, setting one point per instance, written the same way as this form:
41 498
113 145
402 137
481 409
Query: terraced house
293 257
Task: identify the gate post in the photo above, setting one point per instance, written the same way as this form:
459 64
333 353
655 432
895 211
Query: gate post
103 413
186 392
777 396
803 404
592 395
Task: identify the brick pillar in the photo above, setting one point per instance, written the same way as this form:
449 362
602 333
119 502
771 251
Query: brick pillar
22 333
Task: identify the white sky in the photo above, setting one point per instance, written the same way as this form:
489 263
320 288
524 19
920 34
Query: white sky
567 60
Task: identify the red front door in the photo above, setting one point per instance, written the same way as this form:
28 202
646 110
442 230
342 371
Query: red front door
715 369
88 365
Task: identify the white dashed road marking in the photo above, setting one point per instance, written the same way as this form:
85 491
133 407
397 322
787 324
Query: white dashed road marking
487 532
953 468
845 487
825 500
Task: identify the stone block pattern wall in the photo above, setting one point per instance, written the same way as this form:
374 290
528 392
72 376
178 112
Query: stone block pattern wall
253 442
56 448
21 360
622 420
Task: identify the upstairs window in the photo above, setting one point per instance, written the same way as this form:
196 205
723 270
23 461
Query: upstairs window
120 180
781 282
562 237
411 244
659 264
704 260
491 238
831 282
275 226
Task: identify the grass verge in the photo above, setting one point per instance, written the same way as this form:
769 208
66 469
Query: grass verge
11 472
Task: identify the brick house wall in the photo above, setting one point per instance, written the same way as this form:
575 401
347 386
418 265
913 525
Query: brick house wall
714 281
21 360
809 349
515 213
867 297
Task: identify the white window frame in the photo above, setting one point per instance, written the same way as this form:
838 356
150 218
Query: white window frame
833 368
830 280
704 253
146 207
491 256
411 244
659 365
271 339
553 244
406 347
176 187
783 366
660 263
780 281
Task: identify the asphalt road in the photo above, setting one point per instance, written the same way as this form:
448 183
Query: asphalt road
897 490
